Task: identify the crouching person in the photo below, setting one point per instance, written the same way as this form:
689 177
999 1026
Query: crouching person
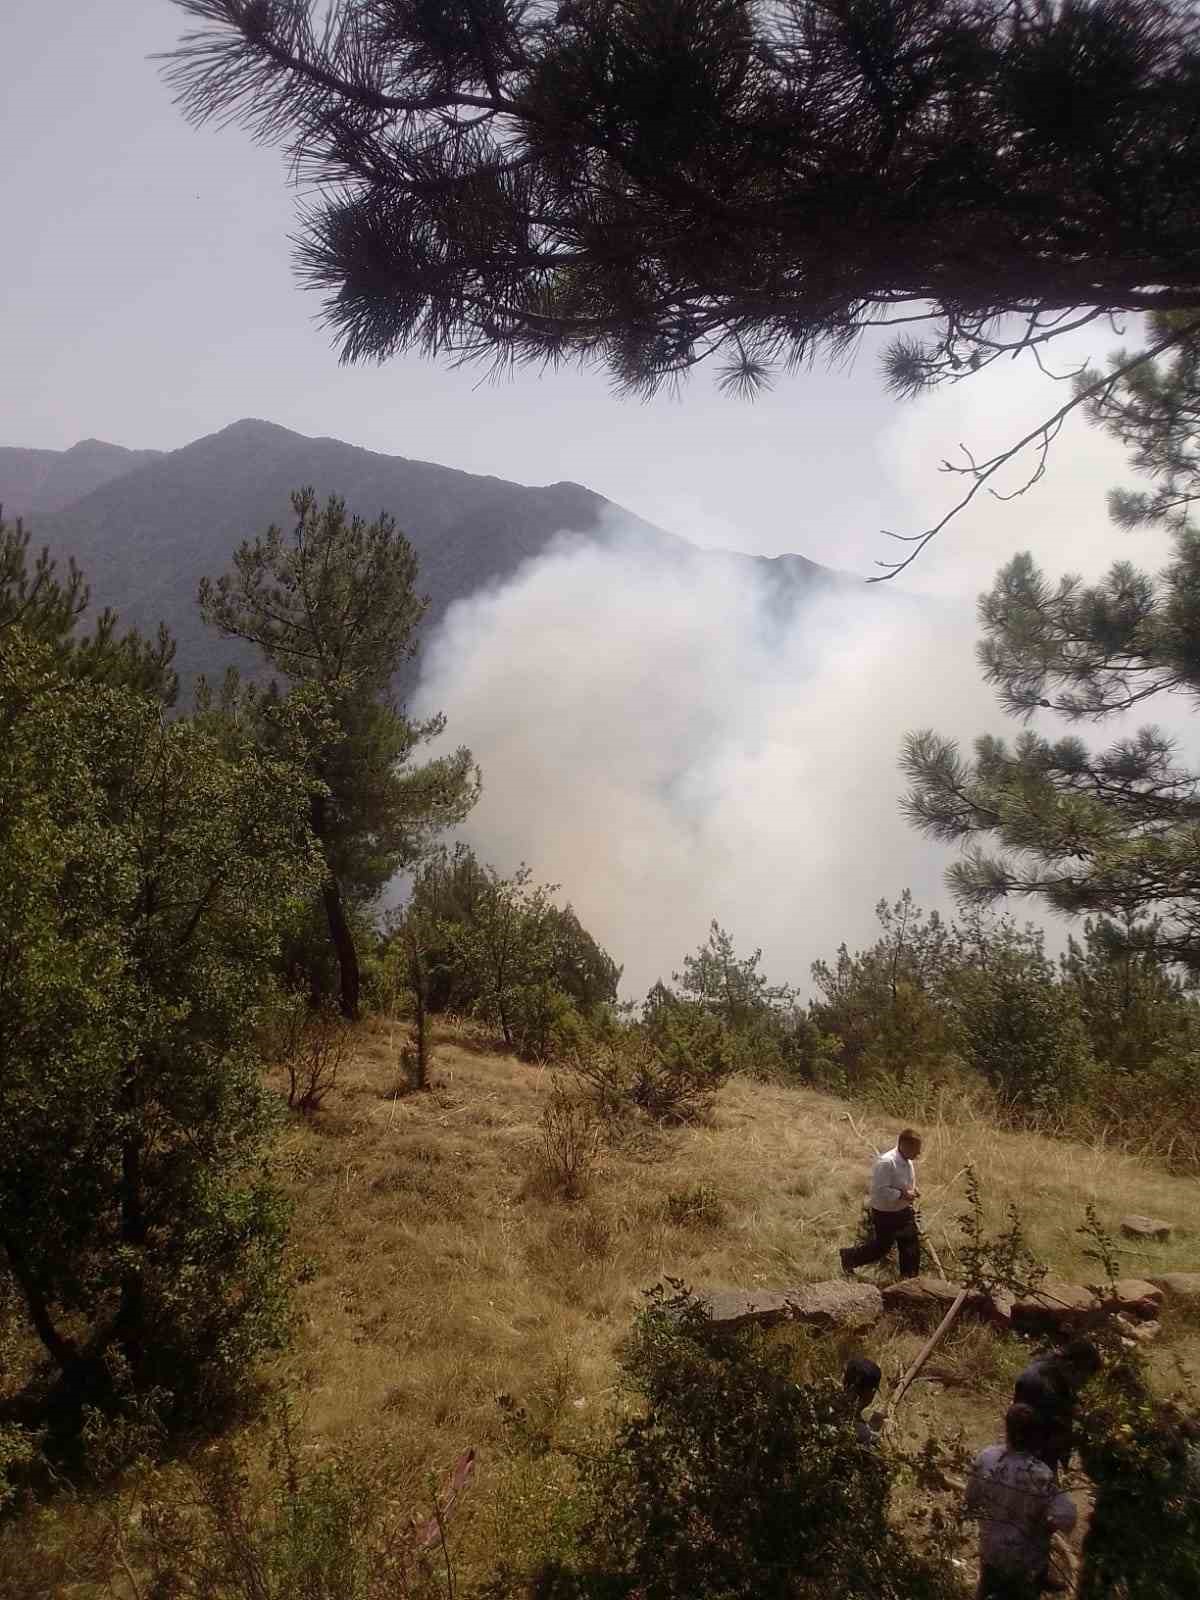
1020 1506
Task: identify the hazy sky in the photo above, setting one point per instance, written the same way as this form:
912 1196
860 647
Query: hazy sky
148 299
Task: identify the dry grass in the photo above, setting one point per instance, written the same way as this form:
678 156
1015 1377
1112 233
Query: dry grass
444 1292
444 1277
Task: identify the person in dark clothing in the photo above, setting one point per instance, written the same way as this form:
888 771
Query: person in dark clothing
893 1221
860 1382
1049 1385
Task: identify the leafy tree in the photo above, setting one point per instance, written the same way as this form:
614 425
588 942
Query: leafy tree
1143 1457
146 877
455 896
723 1010
333 609
1021 1029
1111 832
506 955
648 184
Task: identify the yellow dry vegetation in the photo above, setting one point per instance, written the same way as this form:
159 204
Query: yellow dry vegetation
443 1275
446 1290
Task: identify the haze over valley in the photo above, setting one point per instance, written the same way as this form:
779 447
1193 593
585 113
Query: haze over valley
672 732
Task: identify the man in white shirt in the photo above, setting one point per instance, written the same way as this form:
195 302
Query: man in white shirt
1020 1506
893 1190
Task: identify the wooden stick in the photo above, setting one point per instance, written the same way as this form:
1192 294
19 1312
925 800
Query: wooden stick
931 1345
927 1240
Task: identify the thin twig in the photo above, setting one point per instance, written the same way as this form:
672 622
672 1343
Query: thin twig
1045 432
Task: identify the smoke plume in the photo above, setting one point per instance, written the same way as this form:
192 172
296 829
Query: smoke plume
658 737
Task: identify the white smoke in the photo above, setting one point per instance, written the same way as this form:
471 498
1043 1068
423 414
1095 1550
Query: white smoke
653 737
657 740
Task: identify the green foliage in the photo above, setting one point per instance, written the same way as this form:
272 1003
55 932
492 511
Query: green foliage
500 949
723 1002
48 609
731 1479
1004 1262
148 874
649 186
669 1067
1135 1010
886 1006
333 608
1101 1249
1104 832
1022 1032
1143 1457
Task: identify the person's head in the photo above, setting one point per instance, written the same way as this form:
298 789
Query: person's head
1082 1360
1022 1428
861 1380
909 1144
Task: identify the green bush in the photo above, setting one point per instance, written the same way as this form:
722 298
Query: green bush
669 1070
734 1482
1143 1457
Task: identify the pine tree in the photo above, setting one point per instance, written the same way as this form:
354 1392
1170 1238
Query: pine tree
1112 832
650 184
335 611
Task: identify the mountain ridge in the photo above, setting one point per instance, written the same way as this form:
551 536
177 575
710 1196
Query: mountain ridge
149 525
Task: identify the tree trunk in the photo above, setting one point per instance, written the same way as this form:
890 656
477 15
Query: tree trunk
343 944
62 1351
129 1324
340 935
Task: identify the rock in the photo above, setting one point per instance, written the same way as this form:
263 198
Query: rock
1055 1306
923 1296
836 1303
1139 1332
738 1308
833 1304
1000 1308
1183 1286
928 1299
1134 1297
1135 1227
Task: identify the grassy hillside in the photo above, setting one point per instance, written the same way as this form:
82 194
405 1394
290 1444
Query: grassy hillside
442 1278
439 1276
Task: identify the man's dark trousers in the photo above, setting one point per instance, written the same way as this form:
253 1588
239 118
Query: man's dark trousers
897 1228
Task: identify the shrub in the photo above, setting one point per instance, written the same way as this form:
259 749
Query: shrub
734 1481
1024 1034
697 1206
149 871
313 1046
564 1152
302 1529
670 1070
1143 1457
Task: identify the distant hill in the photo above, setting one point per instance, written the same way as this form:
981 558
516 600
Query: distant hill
145 527
33 481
